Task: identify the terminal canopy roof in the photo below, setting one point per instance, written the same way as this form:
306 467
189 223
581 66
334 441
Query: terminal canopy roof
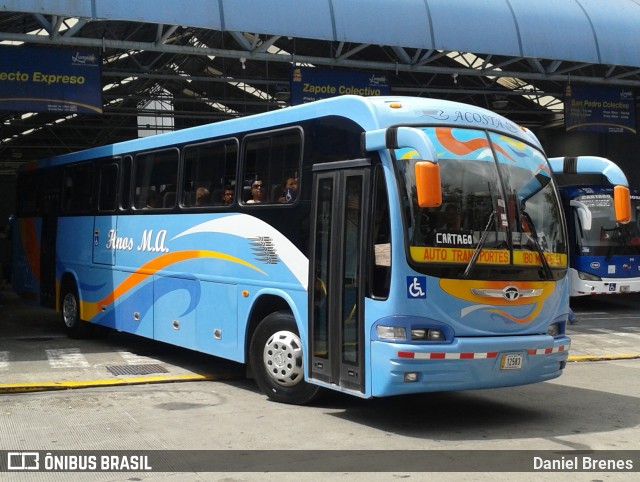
200 61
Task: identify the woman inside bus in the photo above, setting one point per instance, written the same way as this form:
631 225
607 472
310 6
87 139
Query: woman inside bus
257 192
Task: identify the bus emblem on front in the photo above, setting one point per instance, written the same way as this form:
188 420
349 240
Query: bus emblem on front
511 293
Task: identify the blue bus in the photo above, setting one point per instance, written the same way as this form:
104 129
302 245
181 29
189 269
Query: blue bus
376 246
602 217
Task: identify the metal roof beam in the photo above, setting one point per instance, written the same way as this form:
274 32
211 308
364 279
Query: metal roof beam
346 55
553 66
200 78
241 39
402 55
163 37
314 60
429 57
626 74
537 65
499 66
44 23
268 43
76 28
571 69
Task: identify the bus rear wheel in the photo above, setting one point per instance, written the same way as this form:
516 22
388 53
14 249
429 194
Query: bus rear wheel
75 327
277 361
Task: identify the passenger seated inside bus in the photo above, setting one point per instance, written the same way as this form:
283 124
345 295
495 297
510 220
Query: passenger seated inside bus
257 192
227 196
169 199
203 198
153 200
289 191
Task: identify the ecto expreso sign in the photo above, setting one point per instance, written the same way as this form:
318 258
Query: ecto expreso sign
34 79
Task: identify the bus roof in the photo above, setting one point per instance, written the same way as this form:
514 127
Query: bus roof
587 170
369 112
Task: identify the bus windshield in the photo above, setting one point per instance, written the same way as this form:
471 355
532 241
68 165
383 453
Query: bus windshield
607 237
500 215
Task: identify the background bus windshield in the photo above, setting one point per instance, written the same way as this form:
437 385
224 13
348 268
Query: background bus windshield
607 237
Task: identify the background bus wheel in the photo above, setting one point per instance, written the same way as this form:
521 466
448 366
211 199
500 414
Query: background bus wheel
75 327
276 359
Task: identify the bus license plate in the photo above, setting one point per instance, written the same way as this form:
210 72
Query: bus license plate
624 288
511 361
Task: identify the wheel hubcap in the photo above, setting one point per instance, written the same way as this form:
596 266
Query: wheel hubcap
282 358
69 310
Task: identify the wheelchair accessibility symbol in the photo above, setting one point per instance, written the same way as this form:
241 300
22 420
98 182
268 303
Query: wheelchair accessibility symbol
416 287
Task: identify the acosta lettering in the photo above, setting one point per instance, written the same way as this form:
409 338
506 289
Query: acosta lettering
484 119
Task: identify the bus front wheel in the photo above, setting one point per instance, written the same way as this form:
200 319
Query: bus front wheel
277 361
76 328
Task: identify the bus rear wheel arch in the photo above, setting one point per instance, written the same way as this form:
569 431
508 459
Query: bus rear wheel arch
277 360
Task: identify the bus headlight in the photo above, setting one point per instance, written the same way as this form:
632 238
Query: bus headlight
588 276
391 332
427 334
411 329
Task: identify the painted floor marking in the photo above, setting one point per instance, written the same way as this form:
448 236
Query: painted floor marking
67 358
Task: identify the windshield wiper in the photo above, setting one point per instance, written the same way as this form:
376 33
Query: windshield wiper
545 264
616 235
478 250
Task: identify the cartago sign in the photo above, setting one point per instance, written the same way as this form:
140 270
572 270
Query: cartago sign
309 84
50 80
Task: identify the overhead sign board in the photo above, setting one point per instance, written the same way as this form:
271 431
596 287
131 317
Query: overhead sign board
310 84
50 80
599 109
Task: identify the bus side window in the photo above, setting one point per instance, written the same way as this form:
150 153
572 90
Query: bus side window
125 183
272 160
209 169
156 173
77 194
108 187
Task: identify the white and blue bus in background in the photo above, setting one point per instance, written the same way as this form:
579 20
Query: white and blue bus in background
602 218
375 246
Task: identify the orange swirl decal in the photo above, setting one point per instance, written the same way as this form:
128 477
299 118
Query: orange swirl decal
155 265
527 319
462 289
462 148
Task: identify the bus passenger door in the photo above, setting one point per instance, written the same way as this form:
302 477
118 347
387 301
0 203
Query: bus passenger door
336 291
104 227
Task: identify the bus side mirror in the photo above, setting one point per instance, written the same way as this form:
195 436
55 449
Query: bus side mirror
622 204
584 214
428 184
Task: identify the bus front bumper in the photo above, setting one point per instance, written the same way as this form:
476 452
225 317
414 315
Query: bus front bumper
467 363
